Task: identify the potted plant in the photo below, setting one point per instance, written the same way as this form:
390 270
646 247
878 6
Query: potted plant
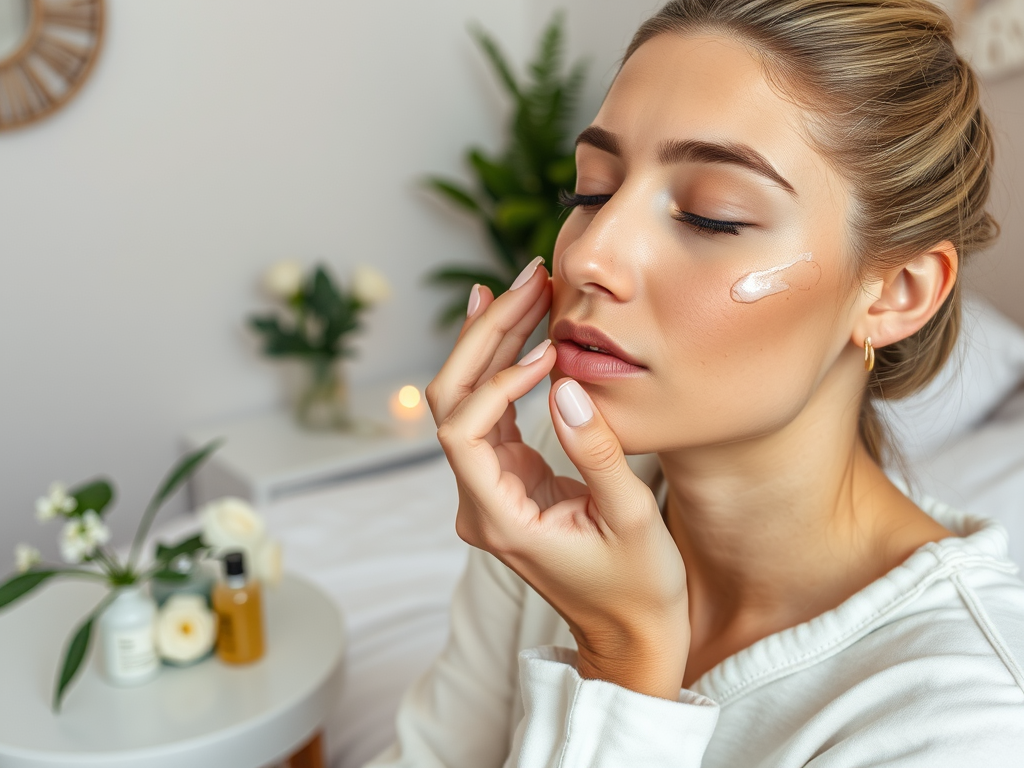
315 323
515 195
84 545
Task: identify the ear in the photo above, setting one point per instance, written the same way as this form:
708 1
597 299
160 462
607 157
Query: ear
901 300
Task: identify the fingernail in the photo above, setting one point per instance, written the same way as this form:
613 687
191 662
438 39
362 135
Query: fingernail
536 353
574 404
474 300
527 273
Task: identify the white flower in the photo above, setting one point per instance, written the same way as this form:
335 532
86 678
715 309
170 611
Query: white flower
80 537
56 503
369 285
185 629
232 523
267 565
25 556
283 280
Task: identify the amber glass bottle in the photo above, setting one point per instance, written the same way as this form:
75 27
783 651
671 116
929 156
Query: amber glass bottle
239 608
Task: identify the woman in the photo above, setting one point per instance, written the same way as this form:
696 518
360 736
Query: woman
775 196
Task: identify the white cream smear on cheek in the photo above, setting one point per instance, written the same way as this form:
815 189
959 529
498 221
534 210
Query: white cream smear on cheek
800 274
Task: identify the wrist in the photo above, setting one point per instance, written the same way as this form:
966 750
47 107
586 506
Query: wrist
651 668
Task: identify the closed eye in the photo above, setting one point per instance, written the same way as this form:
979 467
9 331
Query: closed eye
706 226
702 224
574 200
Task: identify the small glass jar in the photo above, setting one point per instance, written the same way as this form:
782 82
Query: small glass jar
198 581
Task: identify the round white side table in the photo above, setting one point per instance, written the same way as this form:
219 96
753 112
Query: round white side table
210 714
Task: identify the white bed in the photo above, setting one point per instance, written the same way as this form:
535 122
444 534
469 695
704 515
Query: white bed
385 549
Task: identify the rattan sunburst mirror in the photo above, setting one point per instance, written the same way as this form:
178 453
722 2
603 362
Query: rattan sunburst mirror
47 49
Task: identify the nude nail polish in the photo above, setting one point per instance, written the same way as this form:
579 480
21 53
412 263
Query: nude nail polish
527 273
474 300
573 404
536 353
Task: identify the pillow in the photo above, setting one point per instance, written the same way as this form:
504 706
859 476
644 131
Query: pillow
986 367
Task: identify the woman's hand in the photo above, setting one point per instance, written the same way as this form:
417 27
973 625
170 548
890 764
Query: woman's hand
598 552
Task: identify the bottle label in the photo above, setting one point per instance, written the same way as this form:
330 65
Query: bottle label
132 653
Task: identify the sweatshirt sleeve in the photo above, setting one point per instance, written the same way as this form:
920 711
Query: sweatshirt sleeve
575 723
458 714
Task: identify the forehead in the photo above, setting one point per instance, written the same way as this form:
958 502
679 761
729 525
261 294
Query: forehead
711 88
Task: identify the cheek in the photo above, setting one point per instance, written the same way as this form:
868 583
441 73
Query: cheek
736 369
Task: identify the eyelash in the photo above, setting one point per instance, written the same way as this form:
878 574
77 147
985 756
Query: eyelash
701 224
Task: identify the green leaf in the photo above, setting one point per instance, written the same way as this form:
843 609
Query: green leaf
166 553
20 585
166 574
95 495
519 212
498 179
279 341
460 276
454 193
76 651
562 172
178 475
497 59
505 250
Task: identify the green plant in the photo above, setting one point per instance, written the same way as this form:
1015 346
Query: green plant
323 316
515 196
83 541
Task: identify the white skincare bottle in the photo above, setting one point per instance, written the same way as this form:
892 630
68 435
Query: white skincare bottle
126 631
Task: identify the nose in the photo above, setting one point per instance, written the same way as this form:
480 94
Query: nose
596 257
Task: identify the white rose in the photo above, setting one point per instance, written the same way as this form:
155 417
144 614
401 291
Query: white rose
369 285
232 523
283 280
267 565
185 629
25 556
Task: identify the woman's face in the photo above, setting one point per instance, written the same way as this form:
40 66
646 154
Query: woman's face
707 253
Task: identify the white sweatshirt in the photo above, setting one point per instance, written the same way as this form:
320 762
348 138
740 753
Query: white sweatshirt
921 669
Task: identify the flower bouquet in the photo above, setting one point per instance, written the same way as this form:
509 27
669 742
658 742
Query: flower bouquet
318 321
83 544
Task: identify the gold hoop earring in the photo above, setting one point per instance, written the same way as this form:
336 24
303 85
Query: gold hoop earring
869 355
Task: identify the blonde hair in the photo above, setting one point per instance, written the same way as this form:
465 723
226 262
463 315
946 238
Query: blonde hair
896 111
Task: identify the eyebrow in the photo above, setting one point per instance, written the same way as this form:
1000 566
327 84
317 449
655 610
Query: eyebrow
693 151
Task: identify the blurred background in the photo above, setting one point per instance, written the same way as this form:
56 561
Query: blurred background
215 138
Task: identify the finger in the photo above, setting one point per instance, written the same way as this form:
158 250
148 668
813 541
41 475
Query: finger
475 350
512 344
592 446
463 435
480 298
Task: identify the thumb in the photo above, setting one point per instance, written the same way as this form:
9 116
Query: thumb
595 450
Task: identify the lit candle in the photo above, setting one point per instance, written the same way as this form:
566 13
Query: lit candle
407 404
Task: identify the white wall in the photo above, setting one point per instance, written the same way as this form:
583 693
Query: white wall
211 140
999 274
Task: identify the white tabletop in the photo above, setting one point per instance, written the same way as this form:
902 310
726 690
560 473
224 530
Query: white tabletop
210 714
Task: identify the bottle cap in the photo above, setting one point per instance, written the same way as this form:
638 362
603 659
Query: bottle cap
234 564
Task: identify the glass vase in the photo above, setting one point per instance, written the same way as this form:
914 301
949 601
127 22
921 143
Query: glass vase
324 404
126 630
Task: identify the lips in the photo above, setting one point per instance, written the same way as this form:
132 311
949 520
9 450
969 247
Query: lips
587 354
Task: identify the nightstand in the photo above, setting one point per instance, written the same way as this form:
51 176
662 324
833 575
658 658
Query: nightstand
210 714
267 456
